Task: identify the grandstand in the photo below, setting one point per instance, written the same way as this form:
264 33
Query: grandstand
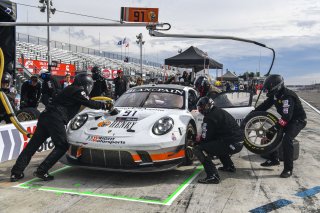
82 58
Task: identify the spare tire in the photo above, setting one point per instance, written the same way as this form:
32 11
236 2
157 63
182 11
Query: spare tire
255 126
28 114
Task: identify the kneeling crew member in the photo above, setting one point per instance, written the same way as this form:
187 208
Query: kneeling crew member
221 136
292 121
51 123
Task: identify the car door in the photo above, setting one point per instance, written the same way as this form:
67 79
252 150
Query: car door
237 103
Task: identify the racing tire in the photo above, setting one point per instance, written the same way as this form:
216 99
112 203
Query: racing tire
255 126
296 151
189 143
28 114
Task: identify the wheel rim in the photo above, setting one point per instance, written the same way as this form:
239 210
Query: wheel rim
24 116
255 130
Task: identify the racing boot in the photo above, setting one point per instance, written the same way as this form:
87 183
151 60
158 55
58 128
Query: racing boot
286 173
228 168
43 175
269 163
15 177
214 179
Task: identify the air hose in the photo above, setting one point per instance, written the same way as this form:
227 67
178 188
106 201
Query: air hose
6 102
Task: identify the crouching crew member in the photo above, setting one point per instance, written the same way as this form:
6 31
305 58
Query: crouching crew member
51 123
292 121
221 136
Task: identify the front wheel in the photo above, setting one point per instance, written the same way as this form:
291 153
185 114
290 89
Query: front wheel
255 126
189 143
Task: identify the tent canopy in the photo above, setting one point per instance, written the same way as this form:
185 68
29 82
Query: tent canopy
193 58
228 76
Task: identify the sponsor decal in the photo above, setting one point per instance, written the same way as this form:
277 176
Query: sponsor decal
104 123
126 119
162 90
104 139
122 124
239 121
285 110
204 130
173 137
285 103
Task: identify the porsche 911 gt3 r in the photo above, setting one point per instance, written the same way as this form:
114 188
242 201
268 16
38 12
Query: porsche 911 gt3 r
154 129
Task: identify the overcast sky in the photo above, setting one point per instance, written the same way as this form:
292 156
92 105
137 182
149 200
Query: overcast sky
291 27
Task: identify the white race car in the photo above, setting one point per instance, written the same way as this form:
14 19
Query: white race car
154 130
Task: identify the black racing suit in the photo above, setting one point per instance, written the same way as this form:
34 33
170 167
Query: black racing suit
51 123
293 120
30 95
3 114
120 86
50 89
221 136
100 87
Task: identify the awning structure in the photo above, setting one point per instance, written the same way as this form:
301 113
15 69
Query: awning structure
228 76
193 58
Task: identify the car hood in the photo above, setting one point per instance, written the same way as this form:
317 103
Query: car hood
128 122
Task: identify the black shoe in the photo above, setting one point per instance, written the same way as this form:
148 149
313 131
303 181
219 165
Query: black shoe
43 175
215 179
269 163
15 177
286 173
228 169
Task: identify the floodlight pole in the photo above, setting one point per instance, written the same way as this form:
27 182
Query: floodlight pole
140 42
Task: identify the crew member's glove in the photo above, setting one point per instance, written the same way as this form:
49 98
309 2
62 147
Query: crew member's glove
107 105
272 131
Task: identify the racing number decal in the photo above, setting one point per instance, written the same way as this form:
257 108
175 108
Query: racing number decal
127 113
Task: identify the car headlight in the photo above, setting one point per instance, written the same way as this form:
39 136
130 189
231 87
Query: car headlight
79 121
162 126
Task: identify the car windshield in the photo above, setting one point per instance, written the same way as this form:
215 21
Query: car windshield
154 98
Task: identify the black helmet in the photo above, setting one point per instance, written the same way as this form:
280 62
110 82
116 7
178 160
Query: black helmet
85 81
204 105
202 85
96 69
273 84
6 79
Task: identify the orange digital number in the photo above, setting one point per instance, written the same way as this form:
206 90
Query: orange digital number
135 14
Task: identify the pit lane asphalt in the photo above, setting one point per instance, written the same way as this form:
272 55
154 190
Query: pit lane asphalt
250 187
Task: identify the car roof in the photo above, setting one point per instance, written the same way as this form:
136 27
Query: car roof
169 86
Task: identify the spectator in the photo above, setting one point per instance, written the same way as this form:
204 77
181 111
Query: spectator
30 93
139 81
121 84
228 86
100 87
66 81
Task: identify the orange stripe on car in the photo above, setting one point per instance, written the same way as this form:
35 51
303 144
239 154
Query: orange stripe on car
167 156
136 158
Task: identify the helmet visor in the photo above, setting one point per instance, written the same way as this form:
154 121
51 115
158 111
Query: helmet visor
88 88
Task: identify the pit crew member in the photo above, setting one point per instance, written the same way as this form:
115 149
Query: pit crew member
51 123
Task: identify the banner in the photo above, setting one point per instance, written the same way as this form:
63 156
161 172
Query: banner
109 74
12 141
35 66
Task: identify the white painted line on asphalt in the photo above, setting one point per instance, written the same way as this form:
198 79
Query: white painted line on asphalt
312 107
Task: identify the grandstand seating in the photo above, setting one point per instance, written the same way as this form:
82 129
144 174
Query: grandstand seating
83 61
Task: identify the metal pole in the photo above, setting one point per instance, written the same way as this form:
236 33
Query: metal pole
48 35
140 41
